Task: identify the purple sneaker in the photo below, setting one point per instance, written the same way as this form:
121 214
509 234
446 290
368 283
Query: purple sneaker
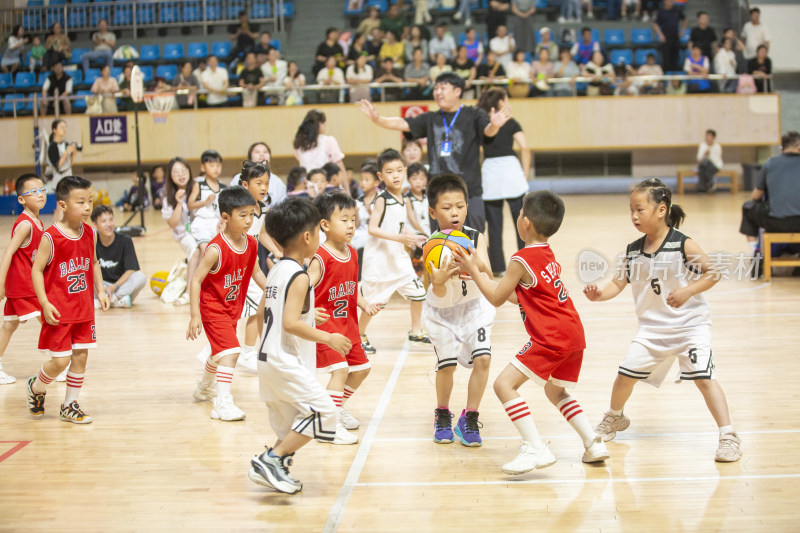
442 426
468 429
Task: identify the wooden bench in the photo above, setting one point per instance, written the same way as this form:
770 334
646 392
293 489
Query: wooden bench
732 175
767 239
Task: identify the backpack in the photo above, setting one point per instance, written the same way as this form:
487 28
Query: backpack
746 84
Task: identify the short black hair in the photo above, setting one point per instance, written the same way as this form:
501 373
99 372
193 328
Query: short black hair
370 166
209 156
585 29
790 139
754 10
452 78
295 175
330 169
287 220
545 210
232 197
314 171
712 132
415 168
442 183
19 185
101 210
389 155
329 201
69 184
701 13
442 24
252 170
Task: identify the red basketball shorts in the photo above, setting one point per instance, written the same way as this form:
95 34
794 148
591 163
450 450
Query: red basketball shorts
22 309
329 359
221 334
61 340
542 364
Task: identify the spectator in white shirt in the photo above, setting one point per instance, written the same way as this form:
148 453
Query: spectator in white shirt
503 45
754 34
519 72
709 161
442 43
725 64
331 75
215 81
360 75
274 68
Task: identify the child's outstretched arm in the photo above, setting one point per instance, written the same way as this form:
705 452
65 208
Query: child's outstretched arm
370 309
209 261
21 235
496 293
607 290
375 229
709 275
293 325
49 311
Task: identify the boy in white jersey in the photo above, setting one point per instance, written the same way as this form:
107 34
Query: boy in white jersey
668 272
299 408
458 318
387 266
202 201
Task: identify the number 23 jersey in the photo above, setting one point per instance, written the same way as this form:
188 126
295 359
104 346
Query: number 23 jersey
69 274
221 291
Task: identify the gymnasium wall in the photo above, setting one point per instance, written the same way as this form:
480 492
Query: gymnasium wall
782 19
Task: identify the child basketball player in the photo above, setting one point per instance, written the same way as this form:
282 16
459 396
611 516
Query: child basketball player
217 299
202 201
416 200
668 272
369 181
553 355
15 267
334 275
65 276
299 408
458 319
387 265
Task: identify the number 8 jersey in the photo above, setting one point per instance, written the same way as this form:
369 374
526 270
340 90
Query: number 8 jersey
69 274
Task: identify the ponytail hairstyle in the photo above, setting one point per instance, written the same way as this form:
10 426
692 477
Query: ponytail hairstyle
660 193
252 170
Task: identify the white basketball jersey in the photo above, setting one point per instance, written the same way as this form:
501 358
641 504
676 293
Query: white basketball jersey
258 220
654 276
459 290
208 211
420 208
386 260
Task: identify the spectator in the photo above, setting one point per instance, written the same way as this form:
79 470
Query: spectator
503 45
440 67
394 21
392 48
738 48
294 82
570 11
541 70
59 47
117 257
651 68
374 43
547 43
583 50
312 147
12 56
60 153
37 53
464 68
274 68
134 198
251 80
125 88
158 183
415 40
244 37
668 24
474 46
442 43
492 70
703 36
601 75
463 12
522 23
565 67
775 203
725 64
331 76
371 22
676 88
330 47
360 74
760 67
198 72
57 80
637 9
264 44
422 14
625 85
519 72
417 71
105 86
186 80
755 34
497 15
296 182
358 48
696 64
104 43
589 13
215 81
388 73
709 161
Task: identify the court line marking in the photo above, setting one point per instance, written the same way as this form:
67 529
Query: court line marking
351 481
713 316
14 449
582 481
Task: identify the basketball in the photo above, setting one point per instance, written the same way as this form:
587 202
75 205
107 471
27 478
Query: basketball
159 281
441 245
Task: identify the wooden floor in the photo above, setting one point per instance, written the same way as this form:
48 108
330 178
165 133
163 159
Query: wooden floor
154 460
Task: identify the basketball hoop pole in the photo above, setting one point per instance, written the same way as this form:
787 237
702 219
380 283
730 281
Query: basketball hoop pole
135 231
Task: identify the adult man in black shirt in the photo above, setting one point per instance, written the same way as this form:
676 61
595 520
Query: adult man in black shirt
56 80
491 70
121 275
243 36
704 36
327 48
454 134
668 24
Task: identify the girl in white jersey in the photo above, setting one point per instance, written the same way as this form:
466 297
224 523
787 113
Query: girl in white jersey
668 272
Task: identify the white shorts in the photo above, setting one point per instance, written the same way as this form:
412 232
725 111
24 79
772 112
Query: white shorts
651 354
253 298
460 333
377 292
204 229
188 244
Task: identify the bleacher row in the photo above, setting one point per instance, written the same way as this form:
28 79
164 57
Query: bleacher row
477 7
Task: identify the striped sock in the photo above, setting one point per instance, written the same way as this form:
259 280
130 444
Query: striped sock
41 382
224 378
519 413
74 384
348 391
210 373
572 411
336 396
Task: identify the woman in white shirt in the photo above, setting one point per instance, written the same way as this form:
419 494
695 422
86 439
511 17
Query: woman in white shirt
519 72
13 54
360 74
330 75
215 81
312 147
294 82
601 73
725 64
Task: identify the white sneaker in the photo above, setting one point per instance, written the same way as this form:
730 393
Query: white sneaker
529 458
348 420
5 379
203 354
729 449
248 361
205 393
589 14
645 18
343 436
225 410
122 303
468 22
561 20
610 425
596 452
62 377
457 16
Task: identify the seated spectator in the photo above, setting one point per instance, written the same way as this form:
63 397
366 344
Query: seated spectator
37 54
625 85
388 73
371 22
676 87
330 47
709 161
360 75
417 72
775 203
503 45
392 48
134 198
474 46
198 71
104 43
415 40
464 67
215 81
760 67
251 80
332 76
296 183
264 44
442 43
58 45
696 64
186 80
651 68
725 65
117 258
274 68
547 43
358 48
294 82
12 57
373 44
519 72
158 183
105 86
394 21
565 67
125 88
583 50
637 9
492 70
57 80
541 70
601 74
440 66
244 37
703 36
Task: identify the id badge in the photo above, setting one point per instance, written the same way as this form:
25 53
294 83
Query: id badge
446 147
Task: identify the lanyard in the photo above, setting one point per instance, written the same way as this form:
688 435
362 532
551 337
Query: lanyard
450 127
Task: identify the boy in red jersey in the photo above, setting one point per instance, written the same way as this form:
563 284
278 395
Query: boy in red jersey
15 267
553 355
66 275
218 291
334 275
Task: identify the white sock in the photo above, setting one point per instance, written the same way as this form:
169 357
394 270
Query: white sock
517 410
336 396
224 378
210 373
615 412
572 411
725 430
348 391
74 384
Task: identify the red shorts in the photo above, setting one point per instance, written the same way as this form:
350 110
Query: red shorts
22 309
221 334
59 341
329 359
542 364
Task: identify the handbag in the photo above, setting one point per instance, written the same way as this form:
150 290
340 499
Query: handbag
94 105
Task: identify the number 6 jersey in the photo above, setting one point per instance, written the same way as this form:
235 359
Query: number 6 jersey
69 274
221 295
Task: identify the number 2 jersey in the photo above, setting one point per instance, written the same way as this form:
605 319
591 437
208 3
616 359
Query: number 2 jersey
221 293
69 274
547 310
337 292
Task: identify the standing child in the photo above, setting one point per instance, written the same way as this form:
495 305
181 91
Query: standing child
334 275
369 182
417 204
458 319
65 275
553 355
15 267
668 272
217 299
299 408
387 265
202 201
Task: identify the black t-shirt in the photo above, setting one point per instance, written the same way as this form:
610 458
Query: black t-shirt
484 70
669 20
244 41
501 144
252 76
327 51
754 66
704 39
116 259
465 137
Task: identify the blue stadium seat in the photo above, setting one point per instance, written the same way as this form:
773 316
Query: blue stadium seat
77 53
123 16
8 107
173 51
25 80
31 20
90 75
6 81
35 3
383 5
145 14
685 37
76 18
116 72
621 56
233 8
76 75
147 70
641 55
197 50
54 15
540 4
221 48
79 2
614 37
276 44
168 72
191 12
57 3
288 9
213 11
42 77
99 13
641 36
263 11
79 104
169 14
149 52
595 35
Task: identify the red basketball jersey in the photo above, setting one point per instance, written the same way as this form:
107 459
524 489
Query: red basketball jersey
69 274
221 291
549 315
337 292
18 279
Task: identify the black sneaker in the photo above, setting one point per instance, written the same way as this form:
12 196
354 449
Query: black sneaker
368 348
272 471
418 337
35 399
73 413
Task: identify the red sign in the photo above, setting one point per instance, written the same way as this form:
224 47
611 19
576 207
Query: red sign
408 111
